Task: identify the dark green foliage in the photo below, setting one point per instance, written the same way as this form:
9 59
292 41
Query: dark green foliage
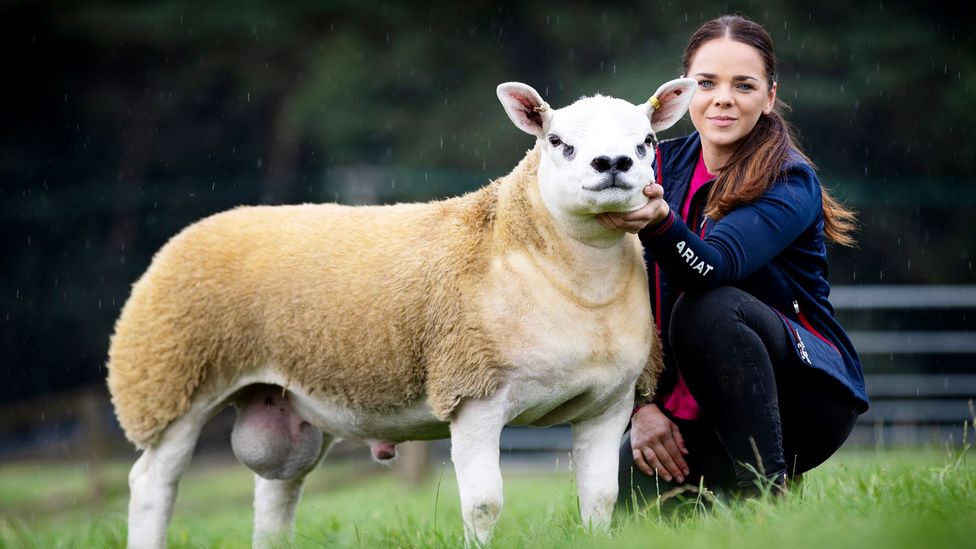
125 121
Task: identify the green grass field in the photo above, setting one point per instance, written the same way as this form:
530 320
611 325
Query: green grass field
864 499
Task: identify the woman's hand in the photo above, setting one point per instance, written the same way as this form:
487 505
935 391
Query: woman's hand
657 444
654 211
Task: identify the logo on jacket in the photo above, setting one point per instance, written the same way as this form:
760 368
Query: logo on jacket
693 261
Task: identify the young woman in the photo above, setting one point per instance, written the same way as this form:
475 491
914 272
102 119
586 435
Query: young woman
760 380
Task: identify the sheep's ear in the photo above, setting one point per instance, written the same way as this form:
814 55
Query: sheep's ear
525 107
670 102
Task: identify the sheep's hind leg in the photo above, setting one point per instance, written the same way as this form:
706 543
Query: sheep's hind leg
281 448
154 478
275 503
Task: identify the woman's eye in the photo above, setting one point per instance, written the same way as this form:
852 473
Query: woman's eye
555 141
745 87
705 83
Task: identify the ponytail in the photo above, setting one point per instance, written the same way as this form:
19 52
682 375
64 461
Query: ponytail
757 163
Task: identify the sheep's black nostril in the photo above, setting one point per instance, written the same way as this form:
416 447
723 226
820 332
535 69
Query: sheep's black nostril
622 163
601 164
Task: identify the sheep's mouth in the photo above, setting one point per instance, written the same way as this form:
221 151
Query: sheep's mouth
610 182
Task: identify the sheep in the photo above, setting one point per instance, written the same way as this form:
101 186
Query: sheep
509 305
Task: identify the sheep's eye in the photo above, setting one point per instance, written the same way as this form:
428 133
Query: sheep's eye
648 140
555 141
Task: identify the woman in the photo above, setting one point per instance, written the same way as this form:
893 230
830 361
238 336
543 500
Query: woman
760 381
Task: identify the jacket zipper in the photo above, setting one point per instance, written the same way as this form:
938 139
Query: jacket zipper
799 342
657 299
809 327
657 270
800 346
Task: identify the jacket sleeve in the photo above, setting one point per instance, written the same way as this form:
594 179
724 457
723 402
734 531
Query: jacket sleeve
747 238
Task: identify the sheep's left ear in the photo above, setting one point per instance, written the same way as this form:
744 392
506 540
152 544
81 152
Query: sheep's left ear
670 102
525 107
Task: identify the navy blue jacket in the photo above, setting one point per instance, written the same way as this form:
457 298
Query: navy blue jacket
772 248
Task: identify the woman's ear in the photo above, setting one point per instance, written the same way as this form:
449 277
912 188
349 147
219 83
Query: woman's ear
670 102
770 100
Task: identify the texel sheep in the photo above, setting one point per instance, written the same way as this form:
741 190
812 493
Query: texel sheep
510 305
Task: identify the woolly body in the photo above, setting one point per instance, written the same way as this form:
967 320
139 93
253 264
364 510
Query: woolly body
508 305
371 309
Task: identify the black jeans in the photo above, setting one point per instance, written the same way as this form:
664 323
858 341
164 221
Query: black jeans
757 399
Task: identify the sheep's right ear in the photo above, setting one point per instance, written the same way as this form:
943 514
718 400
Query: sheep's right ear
670 102
525 107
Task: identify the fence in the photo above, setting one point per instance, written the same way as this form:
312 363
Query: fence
912 401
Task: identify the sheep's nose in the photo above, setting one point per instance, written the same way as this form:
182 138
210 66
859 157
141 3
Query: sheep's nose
622 163
604 164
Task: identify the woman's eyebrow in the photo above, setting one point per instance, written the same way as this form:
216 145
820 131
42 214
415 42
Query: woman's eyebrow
736 77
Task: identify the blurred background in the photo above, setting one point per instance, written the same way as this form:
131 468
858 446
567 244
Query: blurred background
123 122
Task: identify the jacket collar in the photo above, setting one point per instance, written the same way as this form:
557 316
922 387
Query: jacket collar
678 158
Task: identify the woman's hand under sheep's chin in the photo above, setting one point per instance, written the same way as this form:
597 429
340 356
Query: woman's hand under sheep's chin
654 211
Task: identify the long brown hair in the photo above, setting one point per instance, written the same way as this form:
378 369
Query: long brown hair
760 157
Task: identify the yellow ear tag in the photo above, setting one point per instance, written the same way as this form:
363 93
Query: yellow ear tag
655 102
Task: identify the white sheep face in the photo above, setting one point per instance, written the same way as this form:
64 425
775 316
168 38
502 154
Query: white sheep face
598 153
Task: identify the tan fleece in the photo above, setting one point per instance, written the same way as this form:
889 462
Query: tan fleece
370 307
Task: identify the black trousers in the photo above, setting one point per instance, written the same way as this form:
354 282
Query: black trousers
763 410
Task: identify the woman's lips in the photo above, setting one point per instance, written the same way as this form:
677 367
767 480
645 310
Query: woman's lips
722 121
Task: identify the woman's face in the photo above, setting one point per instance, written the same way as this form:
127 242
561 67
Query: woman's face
732 92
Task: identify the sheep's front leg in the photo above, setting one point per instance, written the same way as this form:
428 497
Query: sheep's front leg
596 444
475 434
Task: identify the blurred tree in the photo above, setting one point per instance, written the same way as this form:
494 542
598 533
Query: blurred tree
124 122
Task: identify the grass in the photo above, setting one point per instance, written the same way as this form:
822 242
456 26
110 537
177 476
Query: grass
863 499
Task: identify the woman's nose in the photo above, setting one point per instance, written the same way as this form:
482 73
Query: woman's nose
723 96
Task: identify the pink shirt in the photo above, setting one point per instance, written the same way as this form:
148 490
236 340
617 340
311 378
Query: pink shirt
680 402
699 178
